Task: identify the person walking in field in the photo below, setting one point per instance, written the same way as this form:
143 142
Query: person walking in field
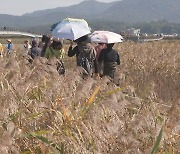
99 47
55 50
26 47
111 59
1 50
35 50
85 55
9 46
45 43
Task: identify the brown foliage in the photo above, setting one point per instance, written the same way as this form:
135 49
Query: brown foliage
41 111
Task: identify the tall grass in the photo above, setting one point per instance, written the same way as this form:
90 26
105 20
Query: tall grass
42 112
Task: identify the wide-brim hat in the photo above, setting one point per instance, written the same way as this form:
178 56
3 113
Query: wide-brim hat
8 40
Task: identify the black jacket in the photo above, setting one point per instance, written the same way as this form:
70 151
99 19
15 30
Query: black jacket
109 55
36 51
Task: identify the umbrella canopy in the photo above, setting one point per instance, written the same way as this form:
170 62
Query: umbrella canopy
105 37
71 29
54 26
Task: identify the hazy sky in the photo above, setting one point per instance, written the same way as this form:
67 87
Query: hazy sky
19 7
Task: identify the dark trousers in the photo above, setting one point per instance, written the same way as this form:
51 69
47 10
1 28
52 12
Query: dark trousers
110 69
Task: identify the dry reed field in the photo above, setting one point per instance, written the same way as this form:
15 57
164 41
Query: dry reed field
42 112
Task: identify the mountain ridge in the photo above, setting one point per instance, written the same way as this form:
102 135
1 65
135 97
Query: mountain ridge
84 7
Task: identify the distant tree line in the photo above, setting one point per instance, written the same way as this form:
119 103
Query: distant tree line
149 28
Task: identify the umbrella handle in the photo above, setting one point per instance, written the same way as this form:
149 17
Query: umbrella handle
71 43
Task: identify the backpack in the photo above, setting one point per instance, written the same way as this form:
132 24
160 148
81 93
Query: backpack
86 64
60 67
59 64
86 57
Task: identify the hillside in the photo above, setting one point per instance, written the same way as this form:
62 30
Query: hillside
130 11
144 10
85 8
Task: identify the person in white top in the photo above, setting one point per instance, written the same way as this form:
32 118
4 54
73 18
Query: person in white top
26 47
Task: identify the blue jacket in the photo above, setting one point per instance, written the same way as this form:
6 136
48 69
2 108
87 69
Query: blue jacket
10 46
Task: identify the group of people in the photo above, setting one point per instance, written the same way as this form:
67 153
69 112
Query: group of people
47 47
99 59
94 59
85 52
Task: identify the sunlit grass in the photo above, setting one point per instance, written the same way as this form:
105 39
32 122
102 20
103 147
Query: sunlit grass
42 112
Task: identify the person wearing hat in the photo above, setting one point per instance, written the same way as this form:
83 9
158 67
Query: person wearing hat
9 46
